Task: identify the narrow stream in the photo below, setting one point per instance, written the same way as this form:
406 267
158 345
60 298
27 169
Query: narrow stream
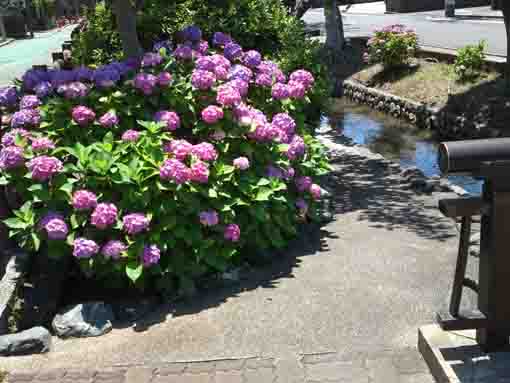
393 139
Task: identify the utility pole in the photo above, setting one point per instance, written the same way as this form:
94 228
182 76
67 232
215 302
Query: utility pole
449 8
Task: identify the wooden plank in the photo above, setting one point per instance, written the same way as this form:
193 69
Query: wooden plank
467 320
462 207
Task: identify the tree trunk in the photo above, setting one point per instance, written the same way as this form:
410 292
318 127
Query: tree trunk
125 15
334 43
506 14
3 33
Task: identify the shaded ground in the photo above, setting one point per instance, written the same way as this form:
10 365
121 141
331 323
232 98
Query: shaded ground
359 286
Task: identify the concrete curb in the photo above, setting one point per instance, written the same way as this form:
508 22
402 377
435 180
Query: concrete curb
6 42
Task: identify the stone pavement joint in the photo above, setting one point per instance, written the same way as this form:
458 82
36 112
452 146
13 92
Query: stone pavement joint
402 367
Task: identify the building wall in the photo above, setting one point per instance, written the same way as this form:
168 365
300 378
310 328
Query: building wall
429 5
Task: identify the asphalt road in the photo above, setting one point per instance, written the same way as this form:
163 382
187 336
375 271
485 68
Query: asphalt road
431 31
19 56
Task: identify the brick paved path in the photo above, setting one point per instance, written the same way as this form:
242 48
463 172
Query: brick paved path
405 367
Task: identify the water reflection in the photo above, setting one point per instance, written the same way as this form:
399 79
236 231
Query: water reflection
393 139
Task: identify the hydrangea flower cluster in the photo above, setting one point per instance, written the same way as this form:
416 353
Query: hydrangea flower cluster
109 119
241 163
83 115
11 157
8 96
202 79
130 135
42 144
232 233
150 255
113 249
54 226
9 138
212 114
104 215
171 119
209 218
43 168
26 118
29 101
181 149
145 82
84 200
175 170
85 248
135 223
204 151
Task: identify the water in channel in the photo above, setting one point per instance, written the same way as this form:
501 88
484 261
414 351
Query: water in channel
393 139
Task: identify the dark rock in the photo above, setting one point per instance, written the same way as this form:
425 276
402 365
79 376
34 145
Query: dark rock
412 172
84 320
36 340
15 268
43 290
133 310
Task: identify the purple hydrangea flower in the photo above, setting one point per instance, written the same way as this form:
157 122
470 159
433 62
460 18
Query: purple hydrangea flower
205 63
175 170
106 77
212 114
130 135
135 223
304 77
242 163
268 67
43 89
84 248
285 123
164 44
232 233
55 226
150 255
192 33
221 39
227 95
209 218
274 172
288 173
83 115
164 79
280 91
252 59
303 183
84 74
109 119
146 83
233 51
29 102
104 215
302 206
297 89
9 138
296 149
151 59
263 79
264 132
26 118
199 172
113 249
241 86
183 52
11 157
204 151
84 200
221 73
202 79
240 72
8 96
42 144
171 119
74 90
179 148
221 61
44 168
202 47
315 191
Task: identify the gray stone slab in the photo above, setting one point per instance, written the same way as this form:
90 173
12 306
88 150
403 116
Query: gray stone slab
455 357
34 341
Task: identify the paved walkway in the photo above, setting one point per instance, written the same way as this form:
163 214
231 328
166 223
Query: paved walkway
19 56
342 305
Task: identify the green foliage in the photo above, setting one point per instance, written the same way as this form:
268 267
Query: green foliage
392 46
469 61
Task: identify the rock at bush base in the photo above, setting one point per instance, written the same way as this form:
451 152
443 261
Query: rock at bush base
83 320
37 340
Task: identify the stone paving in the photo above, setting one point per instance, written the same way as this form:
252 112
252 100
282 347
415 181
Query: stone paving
404 367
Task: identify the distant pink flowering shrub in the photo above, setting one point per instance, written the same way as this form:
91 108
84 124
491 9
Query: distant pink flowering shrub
392 46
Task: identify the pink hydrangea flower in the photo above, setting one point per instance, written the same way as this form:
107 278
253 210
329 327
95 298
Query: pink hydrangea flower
280 91
130 135
264 79
41 144
241 86
221 73
135 223
171 119
227 95
109 119
205 63
297 89
221 61
218 135
212 114
44 167
145 82
202 79
304 77
29 102
242 163
183 52
204 151
84 248
113 249
232 233
54 225
209 218
11 157
179 148
84 200
150 255
296 149
9 138
315 191
104 215
165 79
175 170
83 115
284 122
200 172
303 183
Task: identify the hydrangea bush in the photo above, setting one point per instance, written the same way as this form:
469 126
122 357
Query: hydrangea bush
392 46
161 169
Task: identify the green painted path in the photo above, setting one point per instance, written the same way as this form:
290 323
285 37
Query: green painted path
17 57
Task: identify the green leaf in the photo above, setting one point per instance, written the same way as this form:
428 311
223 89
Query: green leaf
264 182
15 223
37 241
263 194
67 188
213 193
134 270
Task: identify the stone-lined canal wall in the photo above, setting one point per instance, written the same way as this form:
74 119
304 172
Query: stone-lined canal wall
447 125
